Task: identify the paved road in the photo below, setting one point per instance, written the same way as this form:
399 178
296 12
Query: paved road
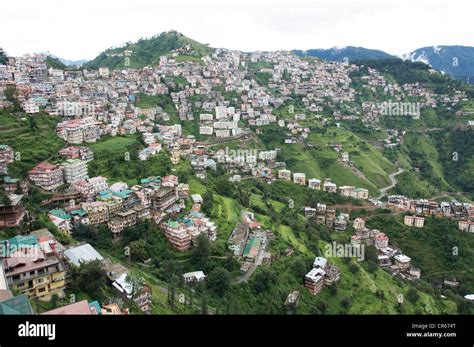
393 180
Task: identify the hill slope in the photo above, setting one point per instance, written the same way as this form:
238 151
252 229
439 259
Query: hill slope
339 54
148 51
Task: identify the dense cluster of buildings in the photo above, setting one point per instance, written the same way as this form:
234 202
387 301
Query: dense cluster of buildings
390 258
37 266
448 209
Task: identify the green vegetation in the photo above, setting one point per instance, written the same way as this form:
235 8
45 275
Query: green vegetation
148 51
439 249
456 157
320 161
55 63
117 159
33 138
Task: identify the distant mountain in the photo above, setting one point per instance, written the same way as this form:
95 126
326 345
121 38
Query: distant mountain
341 54
73 62
148 51
457 61
55 63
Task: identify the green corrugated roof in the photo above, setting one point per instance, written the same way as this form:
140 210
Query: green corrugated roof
9 179
253 242
123 194
79 212
172 223
17 305
21 240
60 213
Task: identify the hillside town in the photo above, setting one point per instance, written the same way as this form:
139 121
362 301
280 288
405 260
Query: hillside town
198 108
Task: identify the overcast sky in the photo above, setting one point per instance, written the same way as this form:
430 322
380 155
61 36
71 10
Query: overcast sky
82 29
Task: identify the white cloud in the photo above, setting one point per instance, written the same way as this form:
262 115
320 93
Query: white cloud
82 29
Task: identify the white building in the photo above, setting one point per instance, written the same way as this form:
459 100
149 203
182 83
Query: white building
75 169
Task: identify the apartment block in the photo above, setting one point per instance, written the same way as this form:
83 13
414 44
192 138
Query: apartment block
414 221
47 176
34 269
75 169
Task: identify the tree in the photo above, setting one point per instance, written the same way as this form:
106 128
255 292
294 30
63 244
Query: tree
135 282
11 94
200 252
333 289
299 267
371 253
372 267
353 268
89 278
263 280
219 281
4 198
222 187
231 263
346 302
412 295
208 202
322 306
136 232
54 300
204 305
84 232
138 251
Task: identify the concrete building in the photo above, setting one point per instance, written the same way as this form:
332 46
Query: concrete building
75 169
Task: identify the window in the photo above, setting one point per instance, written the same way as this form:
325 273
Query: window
32 273
16 277
41 290
41 271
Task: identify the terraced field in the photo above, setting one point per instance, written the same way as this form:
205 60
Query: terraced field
32 138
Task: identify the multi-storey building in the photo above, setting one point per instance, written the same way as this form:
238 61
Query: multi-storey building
414 221
314 183
465 225
299 178
6 158
358 224
32 269
12 214
122 220
381 241
47 176
284 174
315 280
97 212
75 169
177 233
164 198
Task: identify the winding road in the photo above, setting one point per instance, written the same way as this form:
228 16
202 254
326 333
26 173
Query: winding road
393 180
